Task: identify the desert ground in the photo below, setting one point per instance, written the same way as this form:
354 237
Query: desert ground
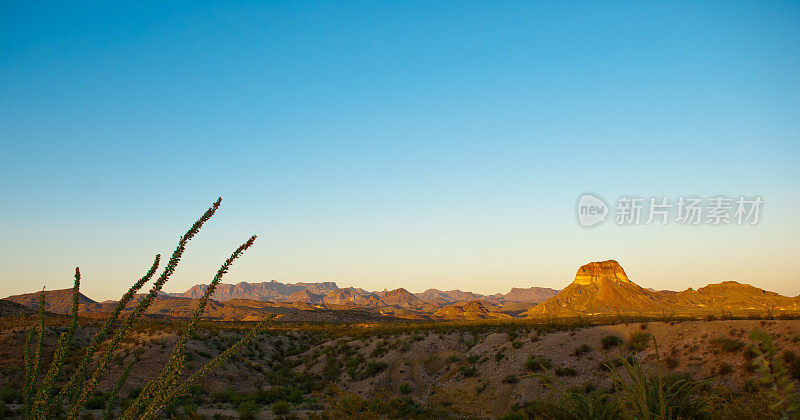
477 369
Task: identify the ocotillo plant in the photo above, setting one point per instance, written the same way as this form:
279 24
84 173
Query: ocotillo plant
155 391
42 402
77 380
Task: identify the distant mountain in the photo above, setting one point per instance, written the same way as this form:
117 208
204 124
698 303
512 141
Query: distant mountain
436 297
464 310
598 288
401 298
531 294
475 309
601 287
305 296
56 301
447 297
604 288
315 293
265 291
319 288
350 297
731 295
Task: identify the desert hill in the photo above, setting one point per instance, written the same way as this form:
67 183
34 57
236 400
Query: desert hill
531 294
436 297
9 308
731 295
604 288
475 309
57 301
401 298
601 287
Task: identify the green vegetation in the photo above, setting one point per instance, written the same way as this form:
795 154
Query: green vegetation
469 372
565 371
726 344
372 369
42 399
639 393
774 373
510 379
671 362
340 405
610 341
639 341
404 388
280 408
500 355
724 368
581 350
313 363
248 410
537 363
793 363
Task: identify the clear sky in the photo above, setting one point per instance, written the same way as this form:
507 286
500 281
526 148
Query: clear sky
394 144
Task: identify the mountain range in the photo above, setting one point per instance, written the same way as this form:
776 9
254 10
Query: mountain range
598 288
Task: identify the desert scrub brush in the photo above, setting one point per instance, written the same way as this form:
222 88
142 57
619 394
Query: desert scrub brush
774 373
182 388
652 395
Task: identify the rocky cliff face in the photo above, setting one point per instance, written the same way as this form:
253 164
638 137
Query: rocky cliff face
601 287
596 272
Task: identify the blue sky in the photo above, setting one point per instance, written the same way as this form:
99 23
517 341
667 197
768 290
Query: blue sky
394 144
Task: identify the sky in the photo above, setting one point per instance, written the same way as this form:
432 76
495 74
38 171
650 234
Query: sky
394 144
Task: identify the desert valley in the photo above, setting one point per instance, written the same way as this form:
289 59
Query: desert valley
531 353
